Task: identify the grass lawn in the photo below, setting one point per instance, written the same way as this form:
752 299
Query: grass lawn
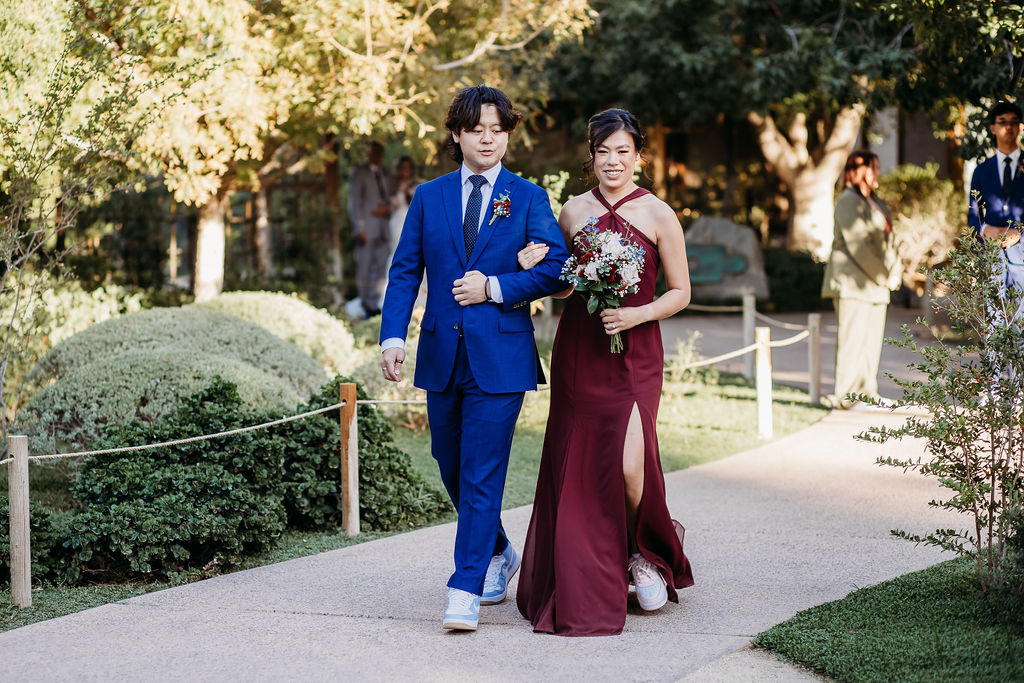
931 625
697 423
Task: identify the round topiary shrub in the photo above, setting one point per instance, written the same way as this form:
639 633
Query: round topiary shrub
144 385
314 330
198 331
50 559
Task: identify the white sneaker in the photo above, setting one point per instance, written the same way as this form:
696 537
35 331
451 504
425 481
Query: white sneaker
463 610
651 591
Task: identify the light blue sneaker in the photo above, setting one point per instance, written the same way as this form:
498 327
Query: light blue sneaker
501 569
463 610
651 591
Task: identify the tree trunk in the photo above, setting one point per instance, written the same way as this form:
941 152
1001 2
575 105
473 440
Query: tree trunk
656 144
331 190
813 209
264 256
210 237
810 174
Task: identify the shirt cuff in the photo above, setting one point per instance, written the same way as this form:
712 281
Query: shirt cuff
495 290
392 343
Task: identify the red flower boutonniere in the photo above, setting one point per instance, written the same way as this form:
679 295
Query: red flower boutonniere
502 207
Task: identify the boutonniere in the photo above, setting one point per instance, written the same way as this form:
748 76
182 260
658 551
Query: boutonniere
502 207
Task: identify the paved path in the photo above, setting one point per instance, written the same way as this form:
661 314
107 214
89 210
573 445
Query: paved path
722 333
771 531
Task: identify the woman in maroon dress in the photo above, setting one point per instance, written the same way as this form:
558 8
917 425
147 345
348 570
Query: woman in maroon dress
600 515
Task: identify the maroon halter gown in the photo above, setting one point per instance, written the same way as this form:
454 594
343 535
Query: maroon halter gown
573 579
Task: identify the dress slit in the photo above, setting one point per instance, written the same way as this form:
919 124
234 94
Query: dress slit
573 580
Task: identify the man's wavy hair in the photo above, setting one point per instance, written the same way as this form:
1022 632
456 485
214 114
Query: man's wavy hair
464 113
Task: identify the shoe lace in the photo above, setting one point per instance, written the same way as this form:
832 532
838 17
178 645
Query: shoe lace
461 600
644 572
493 576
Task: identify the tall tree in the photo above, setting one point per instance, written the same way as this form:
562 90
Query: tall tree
803 72
287 75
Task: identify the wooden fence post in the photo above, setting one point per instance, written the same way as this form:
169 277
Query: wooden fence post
814 358
349 459
764 383
21 545
749 308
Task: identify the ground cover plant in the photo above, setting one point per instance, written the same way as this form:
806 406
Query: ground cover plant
933 625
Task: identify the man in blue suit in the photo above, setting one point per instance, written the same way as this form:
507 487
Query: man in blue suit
997 191
477 354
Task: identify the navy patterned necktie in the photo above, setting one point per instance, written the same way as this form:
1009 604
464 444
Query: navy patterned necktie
1007 177
471 223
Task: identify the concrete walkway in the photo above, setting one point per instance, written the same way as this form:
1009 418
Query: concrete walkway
771 531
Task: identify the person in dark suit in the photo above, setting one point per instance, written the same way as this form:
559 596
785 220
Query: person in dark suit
369 209
997 191
477 354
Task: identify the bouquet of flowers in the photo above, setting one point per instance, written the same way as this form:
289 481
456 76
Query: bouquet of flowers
607 269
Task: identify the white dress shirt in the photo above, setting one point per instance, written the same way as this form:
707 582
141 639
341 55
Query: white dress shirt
1014 157
486 190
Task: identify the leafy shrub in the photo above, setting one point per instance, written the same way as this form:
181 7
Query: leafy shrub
167 510
314 330
60 310
163 510
49 559
199 331
392 495
794 280
972 422
926 214
145 385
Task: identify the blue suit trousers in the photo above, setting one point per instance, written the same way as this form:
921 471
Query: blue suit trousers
470 437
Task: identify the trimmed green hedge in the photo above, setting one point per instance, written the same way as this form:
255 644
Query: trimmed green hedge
193 329
141 366
145 385
314 330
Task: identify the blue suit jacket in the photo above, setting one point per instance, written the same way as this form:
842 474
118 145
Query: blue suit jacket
991 208
498 337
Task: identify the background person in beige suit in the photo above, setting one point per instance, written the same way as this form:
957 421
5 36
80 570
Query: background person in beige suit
862 269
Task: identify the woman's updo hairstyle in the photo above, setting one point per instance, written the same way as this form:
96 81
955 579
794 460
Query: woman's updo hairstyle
604 125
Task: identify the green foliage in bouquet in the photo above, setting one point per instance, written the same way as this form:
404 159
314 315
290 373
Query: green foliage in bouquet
974 427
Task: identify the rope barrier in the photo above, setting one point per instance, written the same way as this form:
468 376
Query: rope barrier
178 442
792 340
746 349
778 323
714 309
382 400
6 460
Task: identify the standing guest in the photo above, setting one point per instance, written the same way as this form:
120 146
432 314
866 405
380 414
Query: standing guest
369 210
997 192
863 268
477 354
600 515
404 182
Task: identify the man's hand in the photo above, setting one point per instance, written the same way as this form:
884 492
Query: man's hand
382 211
360 238
391 364
471 288
1007 237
